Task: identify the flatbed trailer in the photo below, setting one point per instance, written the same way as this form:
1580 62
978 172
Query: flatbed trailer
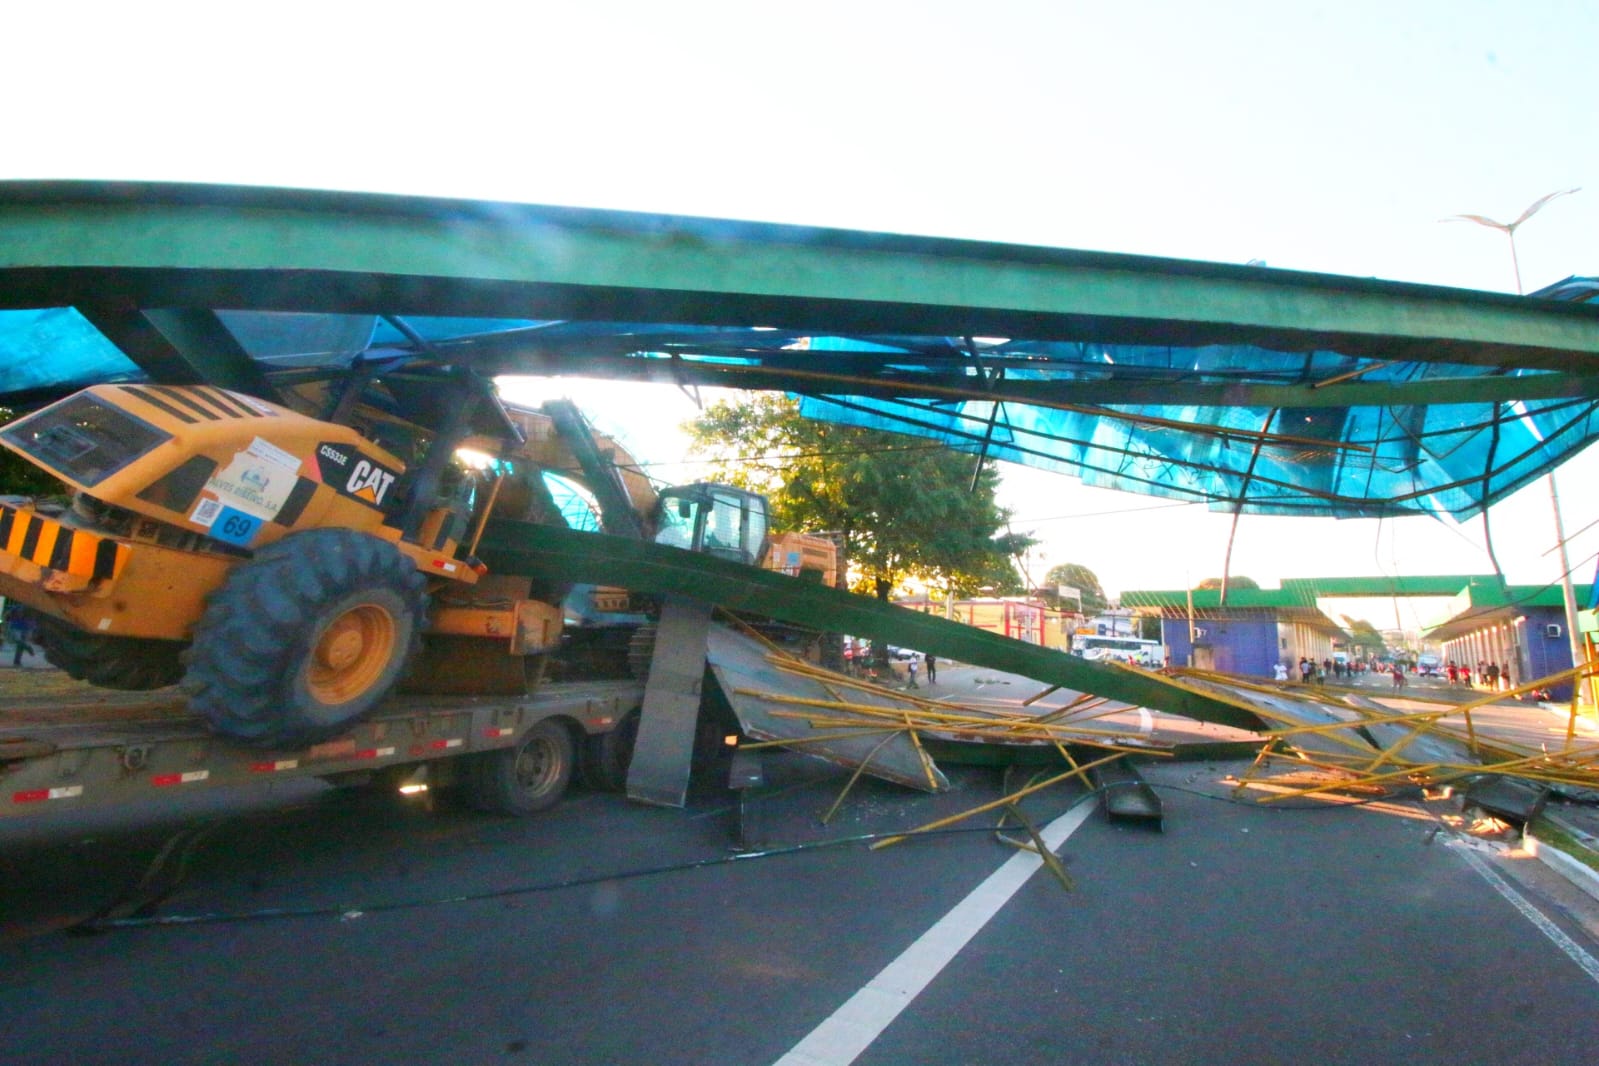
509 754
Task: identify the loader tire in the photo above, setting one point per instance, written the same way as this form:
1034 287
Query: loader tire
132 664
305 638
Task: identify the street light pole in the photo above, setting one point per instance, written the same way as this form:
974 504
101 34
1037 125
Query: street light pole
1570 593
1509 228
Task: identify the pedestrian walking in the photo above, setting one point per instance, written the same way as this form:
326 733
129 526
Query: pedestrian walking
19 628
1399 677
910 671
932 669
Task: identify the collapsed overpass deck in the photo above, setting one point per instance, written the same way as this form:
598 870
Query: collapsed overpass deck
568 555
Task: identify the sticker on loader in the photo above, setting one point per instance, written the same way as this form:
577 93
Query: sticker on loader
353 474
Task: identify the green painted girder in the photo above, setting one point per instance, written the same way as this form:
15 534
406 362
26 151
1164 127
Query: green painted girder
164 245
188 346
517 354
565 555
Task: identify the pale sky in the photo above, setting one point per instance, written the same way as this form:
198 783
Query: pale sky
1325 137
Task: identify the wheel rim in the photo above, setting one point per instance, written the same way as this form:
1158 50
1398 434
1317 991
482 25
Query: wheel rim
538 766
351 654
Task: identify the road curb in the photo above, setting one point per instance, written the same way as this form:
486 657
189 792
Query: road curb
1585 724
1578 873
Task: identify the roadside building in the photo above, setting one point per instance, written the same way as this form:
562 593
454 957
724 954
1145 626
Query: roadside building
1249 635
1019 617
1519 626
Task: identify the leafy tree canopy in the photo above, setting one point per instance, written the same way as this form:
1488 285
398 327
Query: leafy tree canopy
18 477
906 508
1083 580
1238 582
1362 634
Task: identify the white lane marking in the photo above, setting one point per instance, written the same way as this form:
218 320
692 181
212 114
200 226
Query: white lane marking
1573 950
1146 721
861 1020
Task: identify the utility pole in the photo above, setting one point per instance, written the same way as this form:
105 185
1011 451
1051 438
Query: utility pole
1577 651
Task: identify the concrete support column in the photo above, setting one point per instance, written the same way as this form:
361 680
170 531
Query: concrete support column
1503 658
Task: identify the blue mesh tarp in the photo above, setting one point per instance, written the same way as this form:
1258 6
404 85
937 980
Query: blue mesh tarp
1380 458
57 348
1346 462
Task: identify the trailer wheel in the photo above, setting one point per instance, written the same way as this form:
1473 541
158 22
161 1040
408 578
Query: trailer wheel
132 664
305 638
531 776
607 756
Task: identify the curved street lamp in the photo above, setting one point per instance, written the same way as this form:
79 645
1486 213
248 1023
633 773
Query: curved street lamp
1570 595
1509 228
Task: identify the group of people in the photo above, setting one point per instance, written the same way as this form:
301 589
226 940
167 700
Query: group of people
1312 671
859 662
910 670
1492 676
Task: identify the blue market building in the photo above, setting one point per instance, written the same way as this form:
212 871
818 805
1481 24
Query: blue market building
1521 628
1249 634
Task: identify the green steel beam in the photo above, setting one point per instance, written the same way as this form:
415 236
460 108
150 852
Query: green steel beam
187 346
568 555
272 249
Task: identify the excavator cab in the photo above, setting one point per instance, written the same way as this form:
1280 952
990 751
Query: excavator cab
717 520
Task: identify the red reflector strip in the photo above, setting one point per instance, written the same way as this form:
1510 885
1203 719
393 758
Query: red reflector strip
273 767
498 731
436 745
37 795
188 777
373 753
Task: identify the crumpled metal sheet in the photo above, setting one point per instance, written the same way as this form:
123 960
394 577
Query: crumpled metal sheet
741 665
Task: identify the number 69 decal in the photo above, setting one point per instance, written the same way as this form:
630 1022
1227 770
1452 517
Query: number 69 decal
235 527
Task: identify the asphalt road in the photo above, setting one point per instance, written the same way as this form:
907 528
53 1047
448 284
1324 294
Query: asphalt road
336 928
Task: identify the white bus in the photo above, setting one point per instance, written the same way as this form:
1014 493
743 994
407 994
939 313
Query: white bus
1125 649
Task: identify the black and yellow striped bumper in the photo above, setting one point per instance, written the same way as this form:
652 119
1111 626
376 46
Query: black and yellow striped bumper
62 552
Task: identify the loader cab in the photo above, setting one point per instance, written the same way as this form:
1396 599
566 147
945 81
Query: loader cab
717 520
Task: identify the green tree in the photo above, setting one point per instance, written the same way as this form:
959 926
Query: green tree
1237 582
1079 577
18 477
906 508
1363 635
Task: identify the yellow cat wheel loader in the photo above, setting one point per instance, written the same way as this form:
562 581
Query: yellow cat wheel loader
287 570
279 565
